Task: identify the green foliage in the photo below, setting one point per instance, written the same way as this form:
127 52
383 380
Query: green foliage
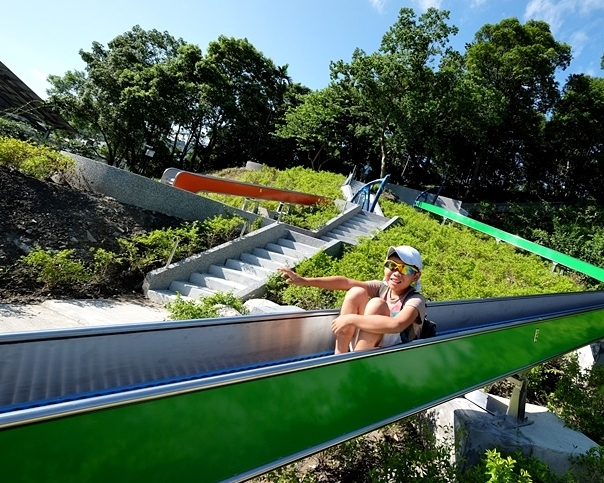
578 399
103 262
458 263
588 467
310 298
58 268
19 130
516 468
38 161
206 307
403 452
220 229
576 230
150 250
501 470
304 180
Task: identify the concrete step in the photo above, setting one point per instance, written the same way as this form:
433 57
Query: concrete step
365 222
290 252
346 231
254 259
300 247
247 268
242 267
231 274
333 235
190 290
162 296
274 256
357 227
215 283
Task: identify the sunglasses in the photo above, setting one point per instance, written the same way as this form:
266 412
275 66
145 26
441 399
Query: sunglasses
402 268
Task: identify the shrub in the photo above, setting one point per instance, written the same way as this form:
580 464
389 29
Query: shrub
588 467
103 261
38 161
58 268
150 250
402 452
19 130
204 308
500 469
578 399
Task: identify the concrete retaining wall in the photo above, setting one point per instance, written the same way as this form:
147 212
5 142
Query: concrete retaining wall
146 193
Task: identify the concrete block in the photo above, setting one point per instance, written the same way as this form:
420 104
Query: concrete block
264 306
544 436
252 166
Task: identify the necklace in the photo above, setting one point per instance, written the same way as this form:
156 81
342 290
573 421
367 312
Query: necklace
391 298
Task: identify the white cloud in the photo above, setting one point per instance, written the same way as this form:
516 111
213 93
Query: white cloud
426 4
477 3
38 74
378 4
556 12
549 11
578 41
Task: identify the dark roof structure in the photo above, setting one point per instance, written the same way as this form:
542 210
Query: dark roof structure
21 102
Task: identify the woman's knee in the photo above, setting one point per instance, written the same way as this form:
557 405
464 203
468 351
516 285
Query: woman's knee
357 293
355 300
377 306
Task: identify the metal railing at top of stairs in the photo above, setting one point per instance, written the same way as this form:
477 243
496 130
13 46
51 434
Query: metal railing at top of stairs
547 253
363 195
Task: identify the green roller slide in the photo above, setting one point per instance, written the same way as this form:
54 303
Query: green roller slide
225 400
548 253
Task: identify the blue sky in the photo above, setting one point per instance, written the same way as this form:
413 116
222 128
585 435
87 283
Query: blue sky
38 38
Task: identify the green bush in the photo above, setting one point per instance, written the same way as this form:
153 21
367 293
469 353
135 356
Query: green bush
402 452
588 467
206 307
578 399
575 230
38 161
507 469
58 268
151 250
103 262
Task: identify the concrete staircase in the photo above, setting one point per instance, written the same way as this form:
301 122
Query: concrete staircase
243 266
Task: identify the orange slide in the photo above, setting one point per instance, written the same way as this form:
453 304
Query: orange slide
200 182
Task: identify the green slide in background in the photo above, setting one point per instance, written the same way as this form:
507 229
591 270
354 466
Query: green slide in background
553 255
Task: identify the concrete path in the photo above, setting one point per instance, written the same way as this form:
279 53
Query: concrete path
62 314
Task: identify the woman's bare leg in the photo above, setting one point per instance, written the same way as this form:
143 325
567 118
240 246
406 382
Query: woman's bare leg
355 302
369 340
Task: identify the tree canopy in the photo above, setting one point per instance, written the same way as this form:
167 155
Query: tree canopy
491 122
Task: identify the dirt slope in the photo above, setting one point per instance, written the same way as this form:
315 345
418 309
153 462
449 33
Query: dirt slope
54 216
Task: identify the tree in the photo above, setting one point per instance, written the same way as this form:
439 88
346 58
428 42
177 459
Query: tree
469 112
129 96
244 92
519 62
576 142
393 85
323 127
